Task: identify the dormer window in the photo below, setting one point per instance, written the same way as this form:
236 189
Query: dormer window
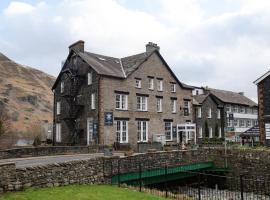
138 83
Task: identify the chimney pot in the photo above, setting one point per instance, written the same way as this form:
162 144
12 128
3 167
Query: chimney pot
77 46
241 93
151 47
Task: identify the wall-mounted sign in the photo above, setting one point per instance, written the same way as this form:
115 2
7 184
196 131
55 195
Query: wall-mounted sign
108 119
231 116
267 131
186 112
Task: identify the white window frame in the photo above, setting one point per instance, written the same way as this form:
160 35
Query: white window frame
199 112
242 124
62 87
58 107
173 105
209 114
142 131
235 122
210 132
89 78
122 104
171 138
159 104
229 123
218 113
173 87
219 132
151 83
120 130
228 108
93 101
58 134
142 105
187 106
138 83
160 85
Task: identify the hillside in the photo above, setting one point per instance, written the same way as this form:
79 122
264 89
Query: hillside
26 94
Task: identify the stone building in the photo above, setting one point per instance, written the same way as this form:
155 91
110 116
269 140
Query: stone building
220 113
263 85
105 100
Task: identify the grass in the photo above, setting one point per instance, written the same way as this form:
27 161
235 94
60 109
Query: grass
79 192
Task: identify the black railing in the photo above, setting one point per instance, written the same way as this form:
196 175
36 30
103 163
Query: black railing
210 184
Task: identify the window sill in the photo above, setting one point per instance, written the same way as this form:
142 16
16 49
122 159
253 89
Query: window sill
118 109
142 110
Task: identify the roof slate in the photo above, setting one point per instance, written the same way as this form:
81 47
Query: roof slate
232 97
200 98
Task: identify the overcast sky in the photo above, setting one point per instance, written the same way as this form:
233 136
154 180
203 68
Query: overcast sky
222 44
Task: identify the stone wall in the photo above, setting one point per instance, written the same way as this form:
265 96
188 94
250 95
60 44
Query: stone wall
48 151
73 172
250 163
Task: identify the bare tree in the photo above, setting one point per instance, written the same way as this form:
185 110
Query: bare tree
36 132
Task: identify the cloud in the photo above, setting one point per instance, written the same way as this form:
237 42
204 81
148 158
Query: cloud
226 49
18 8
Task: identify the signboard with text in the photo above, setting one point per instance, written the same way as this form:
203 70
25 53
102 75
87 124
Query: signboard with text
108 118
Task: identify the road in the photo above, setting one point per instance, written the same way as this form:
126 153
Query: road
45 160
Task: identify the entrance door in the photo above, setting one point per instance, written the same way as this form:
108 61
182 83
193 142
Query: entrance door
89 130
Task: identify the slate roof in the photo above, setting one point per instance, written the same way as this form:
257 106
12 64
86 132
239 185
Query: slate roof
199 98
231 97
119 67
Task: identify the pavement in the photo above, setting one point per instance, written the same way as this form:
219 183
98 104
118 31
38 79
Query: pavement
45 160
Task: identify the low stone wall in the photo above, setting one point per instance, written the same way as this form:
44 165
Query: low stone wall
48 151
73 172
99 170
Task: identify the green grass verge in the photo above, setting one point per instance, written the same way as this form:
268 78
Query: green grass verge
79 192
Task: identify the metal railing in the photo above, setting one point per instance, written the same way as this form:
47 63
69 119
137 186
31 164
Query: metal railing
208 184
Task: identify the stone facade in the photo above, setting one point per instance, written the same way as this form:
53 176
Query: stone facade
217 124
76 109
264 108
155 68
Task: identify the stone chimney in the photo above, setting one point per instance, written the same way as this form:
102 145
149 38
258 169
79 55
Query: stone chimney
241 93
77 46
151 47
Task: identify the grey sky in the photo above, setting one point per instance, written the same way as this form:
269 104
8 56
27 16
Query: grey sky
223 44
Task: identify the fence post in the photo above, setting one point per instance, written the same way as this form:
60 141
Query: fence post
140 177
166 185
241 187
118 173
199 187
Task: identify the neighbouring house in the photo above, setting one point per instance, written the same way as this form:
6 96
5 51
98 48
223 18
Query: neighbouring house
263 86
120 101
209 116
220 113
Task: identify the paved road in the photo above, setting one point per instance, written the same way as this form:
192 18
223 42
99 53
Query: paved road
37 161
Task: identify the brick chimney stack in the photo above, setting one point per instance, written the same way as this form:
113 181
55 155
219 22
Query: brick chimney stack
151 47
77 46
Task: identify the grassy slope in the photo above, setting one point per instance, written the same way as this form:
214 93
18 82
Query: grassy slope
79 192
